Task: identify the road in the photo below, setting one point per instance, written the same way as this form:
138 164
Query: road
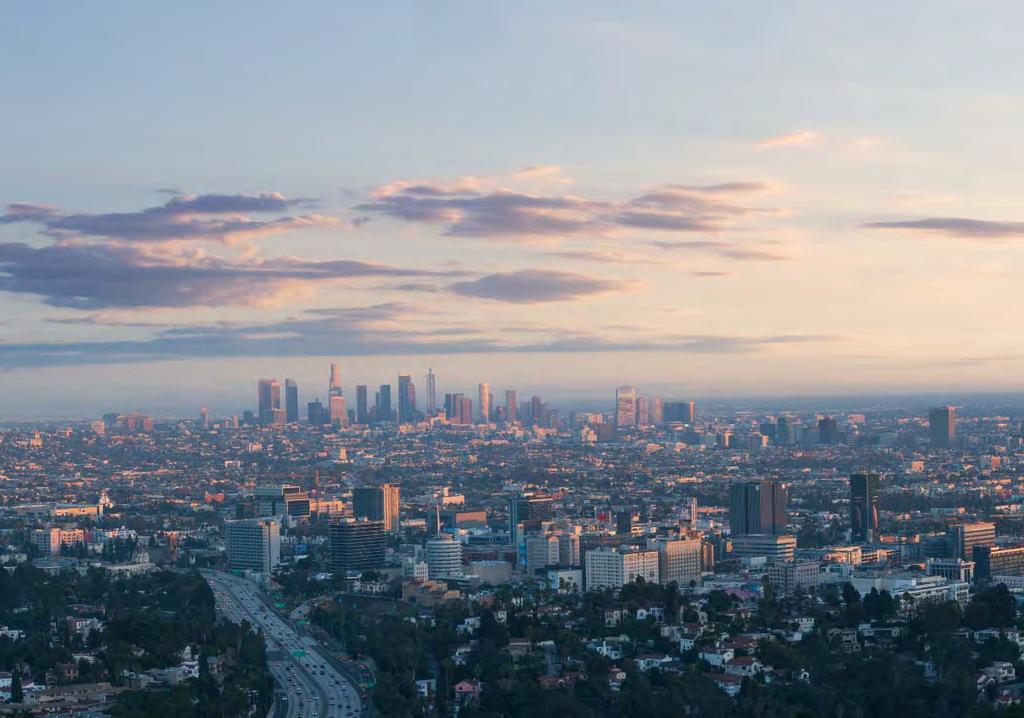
309 685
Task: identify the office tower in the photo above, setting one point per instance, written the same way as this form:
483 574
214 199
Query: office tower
384 403
678 560
357 545
942 426
964 537
511 408
444 557
334 382
785 431
624 523
643 415
863 506
204 417
992 562
291 401
625 406
680 411
614 568
757 507
484 392
284 500
828 430
466 410
536 410
378 503
689 412
529 510
789 576
253 544
317 414
431 392
406 399
336 408
269 397
541 552
362 406
657 411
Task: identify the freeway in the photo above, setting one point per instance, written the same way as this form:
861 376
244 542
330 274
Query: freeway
309 685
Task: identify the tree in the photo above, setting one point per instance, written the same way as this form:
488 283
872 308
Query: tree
17 693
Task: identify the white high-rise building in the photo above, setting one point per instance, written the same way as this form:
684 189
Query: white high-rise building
614 568
485 402
444 557
253 544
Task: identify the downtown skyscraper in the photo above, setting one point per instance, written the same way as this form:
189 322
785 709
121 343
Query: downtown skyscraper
484 392
625 406
406 399
431 392
291 400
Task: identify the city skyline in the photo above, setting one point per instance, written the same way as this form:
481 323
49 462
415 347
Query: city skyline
762 229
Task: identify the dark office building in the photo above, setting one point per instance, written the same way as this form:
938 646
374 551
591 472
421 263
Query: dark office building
357 545
291 401
378 503
992 561
362 406
384 403
757 507
317 413
529 511
624 522
942 426
863 506
676 411
406 399
828 430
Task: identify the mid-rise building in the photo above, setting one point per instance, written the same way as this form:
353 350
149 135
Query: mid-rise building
992 561
615 567
788 576
773 548
541 552
679 560
964 537
357 545
253 544
444 557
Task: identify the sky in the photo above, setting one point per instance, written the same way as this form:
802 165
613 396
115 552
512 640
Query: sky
700 199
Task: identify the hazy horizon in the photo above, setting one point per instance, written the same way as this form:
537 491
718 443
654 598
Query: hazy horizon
699 200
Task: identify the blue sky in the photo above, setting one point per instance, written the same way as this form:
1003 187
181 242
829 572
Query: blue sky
699 198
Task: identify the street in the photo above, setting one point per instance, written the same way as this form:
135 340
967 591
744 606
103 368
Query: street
308 684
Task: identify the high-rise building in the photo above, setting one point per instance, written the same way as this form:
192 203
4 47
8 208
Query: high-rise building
964 537
643 411
511 408
291 401
378 503
317 414
285 500
204 417
253 544
785 431
680 411
357 545
757 507
568 549
828 430
625 406
431 392
863 506
269 398
406 399
484 392
362 407
536 410
657 410
384 403
338 412
942 426
334 382
444 557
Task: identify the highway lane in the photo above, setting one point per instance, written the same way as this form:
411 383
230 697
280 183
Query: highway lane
312 687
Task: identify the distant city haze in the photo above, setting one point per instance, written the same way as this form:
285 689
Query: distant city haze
698 200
